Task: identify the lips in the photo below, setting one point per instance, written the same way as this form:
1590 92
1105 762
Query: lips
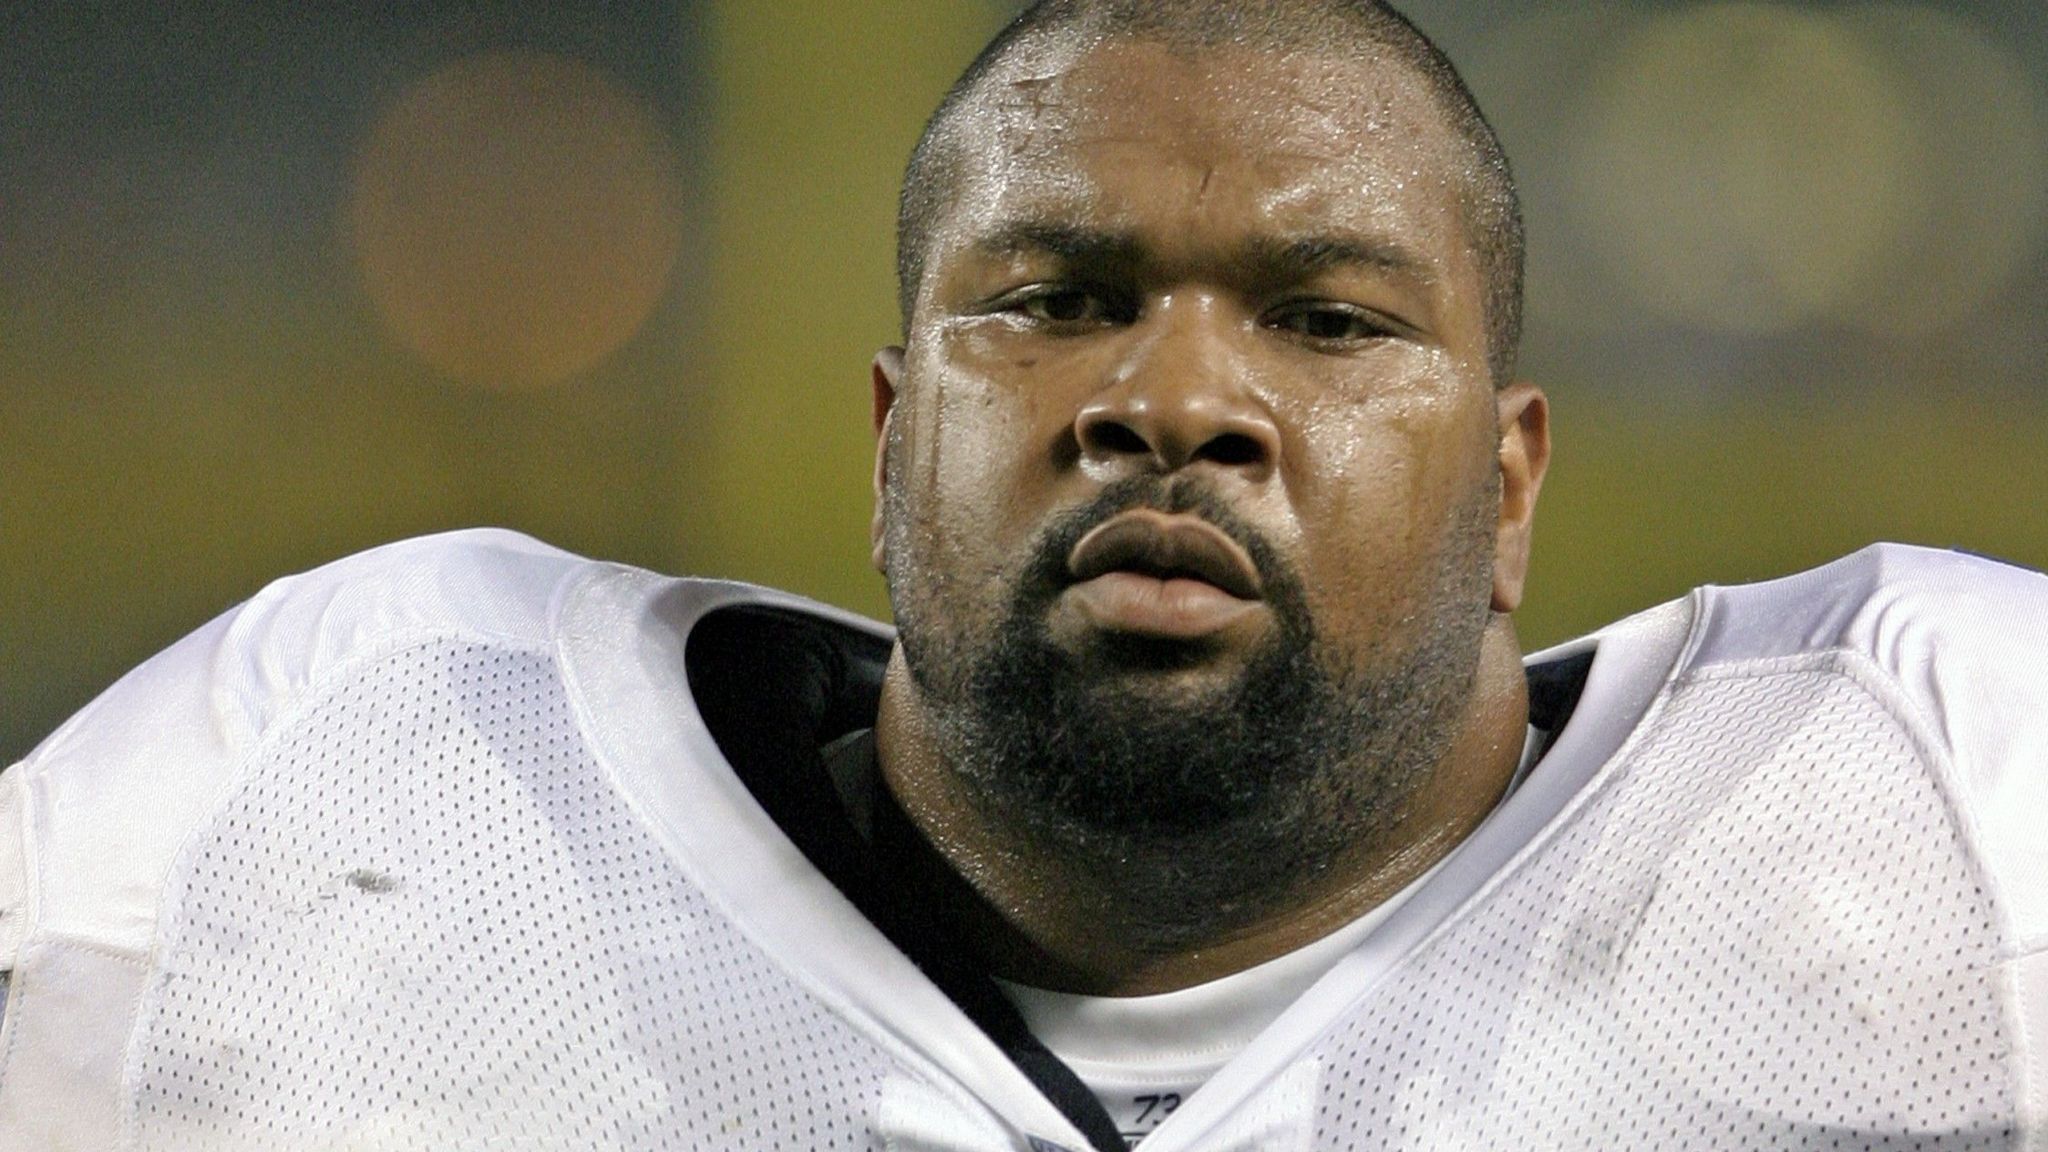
1165 546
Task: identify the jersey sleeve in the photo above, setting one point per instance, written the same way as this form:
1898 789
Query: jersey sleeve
94 820
95 814
1964 641
1959 645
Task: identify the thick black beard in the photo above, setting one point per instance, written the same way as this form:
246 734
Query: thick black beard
1204 810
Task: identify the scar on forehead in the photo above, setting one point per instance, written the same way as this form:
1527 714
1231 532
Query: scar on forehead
1029 108
1032 95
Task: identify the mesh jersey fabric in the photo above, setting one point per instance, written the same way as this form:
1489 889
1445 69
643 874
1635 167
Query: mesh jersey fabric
353 961
1749 941
430 850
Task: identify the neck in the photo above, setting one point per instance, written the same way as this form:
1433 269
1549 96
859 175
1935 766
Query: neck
1063 918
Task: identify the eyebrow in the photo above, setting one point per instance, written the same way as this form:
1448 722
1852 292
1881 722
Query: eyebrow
1284 258
1071 244
1302 257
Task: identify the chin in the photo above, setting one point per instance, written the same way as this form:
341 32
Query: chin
1123 654
1170 710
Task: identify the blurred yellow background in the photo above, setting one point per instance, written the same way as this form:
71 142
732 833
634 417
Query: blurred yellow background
278 282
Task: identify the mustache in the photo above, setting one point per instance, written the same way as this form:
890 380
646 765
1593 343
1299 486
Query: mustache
1047 573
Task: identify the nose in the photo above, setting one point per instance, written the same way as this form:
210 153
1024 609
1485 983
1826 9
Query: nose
1180 397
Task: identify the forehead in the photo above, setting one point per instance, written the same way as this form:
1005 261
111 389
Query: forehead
1218 140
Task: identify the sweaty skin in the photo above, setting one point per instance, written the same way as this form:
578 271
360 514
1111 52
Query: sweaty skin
1248 268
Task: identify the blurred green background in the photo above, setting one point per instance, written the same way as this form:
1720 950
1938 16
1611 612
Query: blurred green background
281 281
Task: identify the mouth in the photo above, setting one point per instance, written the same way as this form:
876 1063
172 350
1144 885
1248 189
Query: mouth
1163 575
1165 546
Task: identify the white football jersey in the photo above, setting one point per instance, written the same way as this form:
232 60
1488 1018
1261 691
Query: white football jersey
467 843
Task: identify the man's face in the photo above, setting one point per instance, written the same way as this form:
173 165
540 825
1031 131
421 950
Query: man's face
1194 406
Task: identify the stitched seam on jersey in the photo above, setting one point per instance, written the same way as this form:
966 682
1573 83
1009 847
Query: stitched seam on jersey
2031 1051
1764 667
608 756
1704 602
172 890
1919 728
126 1126
19 991
81 944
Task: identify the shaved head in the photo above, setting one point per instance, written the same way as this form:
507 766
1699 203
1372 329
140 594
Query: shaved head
1349 29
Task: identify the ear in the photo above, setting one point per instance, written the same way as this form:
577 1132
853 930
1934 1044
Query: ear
1524 457
887 370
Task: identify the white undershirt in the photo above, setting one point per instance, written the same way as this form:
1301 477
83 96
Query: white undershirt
1143 1055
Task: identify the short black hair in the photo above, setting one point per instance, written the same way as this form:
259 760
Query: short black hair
1327 27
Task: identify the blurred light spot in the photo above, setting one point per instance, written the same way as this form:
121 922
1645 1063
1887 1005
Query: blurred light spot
1981 155
515 217
1746 165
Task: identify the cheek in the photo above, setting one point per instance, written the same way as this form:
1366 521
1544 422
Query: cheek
1383 483
963 467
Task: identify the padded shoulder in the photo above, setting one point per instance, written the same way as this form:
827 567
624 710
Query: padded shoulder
1894 601
106 800
1963 643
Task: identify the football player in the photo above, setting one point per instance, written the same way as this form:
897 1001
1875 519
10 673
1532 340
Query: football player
1200 799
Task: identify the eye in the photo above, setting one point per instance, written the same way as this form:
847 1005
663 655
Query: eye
1065 305
1328 322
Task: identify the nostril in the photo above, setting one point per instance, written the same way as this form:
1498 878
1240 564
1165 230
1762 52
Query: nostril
1232 449
1114 439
